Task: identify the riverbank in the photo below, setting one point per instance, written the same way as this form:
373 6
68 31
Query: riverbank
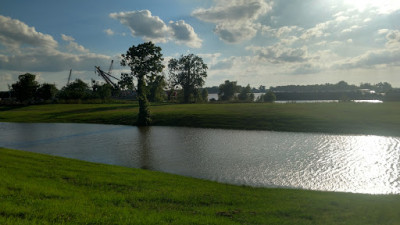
41 189
341 118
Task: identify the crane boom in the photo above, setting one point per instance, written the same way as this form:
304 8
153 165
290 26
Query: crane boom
69 77
107 76
109 70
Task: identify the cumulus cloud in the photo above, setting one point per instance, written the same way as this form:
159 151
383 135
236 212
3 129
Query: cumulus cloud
371 59
279 53
235 19
109 32
14 33
183 33
29 50
393 38
143 24
73 46
152 28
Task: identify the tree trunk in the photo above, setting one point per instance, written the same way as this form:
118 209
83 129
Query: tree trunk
186 94
144 112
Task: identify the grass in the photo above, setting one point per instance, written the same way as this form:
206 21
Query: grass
342 118
41 189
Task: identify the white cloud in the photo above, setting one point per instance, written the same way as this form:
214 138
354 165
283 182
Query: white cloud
29 50
236 19
67 38
152 28
280 54
183 33
393 38
109 32
320 30
14 34
143 24
73 46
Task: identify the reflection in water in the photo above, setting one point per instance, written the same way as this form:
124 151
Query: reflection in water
145 148
362 164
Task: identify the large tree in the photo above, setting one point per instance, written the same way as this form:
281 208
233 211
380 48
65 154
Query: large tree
145 61
25 88
77 90
227 90
189 72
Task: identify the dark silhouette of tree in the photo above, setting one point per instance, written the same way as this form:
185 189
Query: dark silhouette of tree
75 91
246 94
102 91
204 95
189 72
46 92
269 97
156 85
25 88
227 90
145 60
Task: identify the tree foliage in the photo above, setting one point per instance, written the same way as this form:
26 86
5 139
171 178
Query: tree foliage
46 92
25 88
145 61
246 94
227 90
268 97
102 91
77 90
155 88
189 72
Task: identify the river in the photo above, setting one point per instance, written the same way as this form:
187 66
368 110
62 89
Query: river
345 163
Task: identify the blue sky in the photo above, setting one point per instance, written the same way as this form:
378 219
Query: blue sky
256 42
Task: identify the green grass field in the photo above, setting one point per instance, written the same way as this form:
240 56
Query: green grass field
41 189
348 118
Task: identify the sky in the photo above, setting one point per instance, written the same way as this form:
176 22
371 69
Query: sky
256 42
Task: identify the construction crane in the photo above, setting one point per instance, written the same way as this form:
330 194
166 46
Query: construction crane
69 77
107 75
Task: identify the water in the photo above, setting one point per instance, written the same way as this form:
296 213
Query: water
256 95
346 163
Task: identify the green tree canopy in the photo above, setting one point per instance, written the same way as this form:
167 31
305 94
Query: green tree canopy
144 60
46 91
227 90
25 88
269 97
189 72
75 90
246 94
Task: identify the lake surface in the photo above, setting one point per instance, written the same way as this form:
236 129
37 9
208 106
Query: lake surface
360 164
256 95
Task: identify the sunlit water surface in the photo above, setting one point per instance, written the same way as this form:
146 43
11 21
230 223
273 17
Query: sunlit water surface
361 164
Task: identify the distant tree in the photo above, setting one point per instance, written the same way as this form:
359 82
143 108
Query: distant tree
269 97
246 94
227 90
383 87
155 88
188 72
102 91
144 60
75 90
46 91
204 95
25 88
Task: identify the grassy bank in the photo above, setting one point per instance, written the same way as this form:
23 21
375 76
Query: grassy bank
353 118
40 189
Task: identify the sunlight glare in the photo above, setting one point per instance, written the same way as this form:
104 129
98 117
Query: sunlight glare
381 6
